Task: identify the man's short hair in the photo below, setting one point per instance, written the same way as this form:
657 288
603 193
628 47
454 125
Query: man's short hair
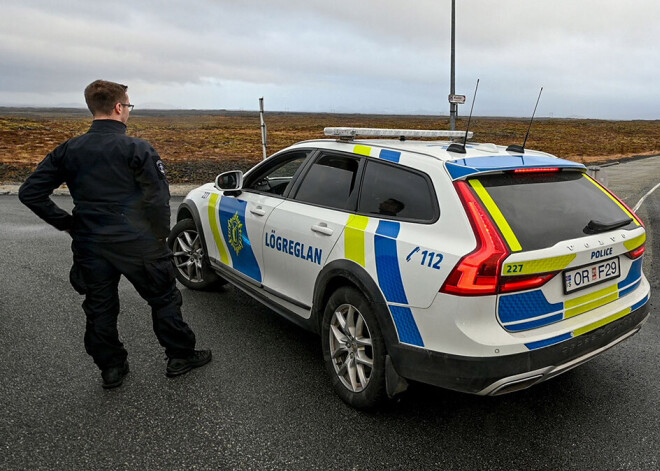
102 96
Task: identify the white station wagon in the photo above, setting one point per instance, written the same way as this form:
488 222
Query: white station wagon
475 267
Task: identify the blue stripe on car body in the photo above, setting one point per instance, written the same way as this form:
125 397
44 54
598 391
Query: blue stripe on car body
406 326
517 307
243 259
548 342
390 281
390 155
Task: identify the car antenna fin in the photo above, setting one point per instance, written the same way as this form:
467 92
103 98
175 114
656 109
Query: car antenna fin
460 148
516 147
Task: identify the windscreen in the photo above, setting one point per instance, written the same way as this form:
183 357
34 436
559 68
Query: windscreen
545 208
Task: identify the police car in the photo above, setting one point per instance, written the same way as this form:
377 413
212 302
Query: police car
477 268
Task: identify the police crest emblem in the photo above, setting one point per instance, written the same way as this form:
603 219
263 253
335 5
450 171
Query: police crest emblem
235 233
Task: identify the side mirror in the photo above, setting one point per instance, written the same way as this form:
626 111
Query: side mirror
229 181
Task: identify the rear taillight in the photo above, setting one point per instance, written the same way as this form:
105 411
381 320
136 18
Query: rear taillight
523 282
478 272
638 252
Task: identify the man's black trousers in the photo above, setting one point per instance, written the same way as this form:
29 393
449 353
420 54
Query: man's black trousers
149 266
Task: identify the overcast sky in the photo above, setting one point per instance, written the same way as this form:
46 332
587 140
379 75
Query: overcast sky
594 58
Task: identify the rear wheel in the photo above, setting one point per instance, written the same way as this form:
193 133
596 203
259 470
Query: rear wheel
353 349
192 269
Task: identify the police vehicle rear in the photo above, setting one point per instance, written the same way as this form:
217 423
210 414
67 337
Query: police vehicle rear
484 271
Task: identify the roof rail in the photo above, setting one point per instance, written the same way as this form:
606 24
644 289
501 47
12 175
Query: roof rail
350 133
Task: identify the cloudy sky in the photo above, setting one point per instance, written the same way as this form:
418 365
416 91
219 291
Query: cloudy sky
594 58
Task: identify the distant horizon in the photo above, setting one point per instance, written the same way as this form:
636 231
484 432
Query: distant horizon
80 110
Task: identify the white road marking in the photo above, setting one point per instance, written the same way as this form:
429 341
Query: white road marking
639 203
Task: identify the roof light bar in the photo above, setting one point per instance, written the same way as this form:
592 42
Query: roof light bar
350 133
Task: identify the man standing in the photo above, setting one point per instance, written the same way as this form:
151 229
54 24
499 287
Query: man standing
119 225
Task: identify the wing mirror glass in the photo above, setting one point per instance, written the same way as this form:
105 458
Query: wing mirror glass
229 181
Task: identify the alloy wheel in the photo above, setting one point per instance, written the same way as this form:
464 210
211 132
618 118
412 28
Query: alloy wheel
351 347
188 255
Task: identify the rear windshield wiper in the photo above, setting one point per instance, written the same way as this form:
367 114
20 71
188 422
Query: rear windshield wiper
595 227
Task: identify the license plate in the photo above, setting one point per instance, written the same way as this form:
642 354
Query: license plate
589 275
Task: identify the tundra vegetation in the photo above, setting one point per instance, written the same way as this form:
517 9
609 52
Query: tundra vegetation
197 145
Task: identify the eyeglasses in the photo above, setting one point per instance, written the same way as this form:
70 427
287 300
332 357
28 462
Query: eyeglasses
128 105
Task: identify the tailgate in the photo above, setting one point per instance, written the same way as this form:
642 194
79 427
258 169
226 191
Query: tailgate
564 227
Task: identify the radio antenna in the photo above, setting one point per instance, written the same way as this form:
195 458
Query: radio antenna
521 149
458 148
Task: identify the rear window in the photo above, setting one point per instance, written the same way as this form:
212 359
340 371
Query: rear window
330 182
543 209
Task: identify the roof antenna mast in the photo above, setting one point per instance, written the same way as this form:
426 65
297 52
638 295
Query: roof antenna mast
458 148
521 149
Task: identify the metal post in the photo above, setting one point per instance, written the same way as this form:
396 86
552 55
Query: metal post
264 132
453 107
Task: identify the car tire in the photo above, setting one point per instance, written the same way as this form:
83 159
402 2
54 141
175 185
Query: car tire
192 268
353 349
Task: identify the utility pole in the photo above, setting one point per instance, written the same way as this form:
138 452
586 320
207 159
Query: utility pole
453 107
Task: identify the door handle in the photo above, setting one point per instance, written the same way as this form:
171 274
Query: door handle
258 211
322 228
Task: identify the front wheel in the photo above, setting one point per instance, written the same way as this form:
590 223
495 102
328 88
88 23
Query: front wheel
192 269
353 349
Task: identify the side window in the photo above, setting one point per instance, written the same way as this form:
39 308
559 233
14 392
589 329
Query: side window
331 181
396 192
275 177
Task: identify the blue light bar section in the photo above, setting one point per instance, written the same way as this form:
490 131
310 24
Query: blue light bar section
462 168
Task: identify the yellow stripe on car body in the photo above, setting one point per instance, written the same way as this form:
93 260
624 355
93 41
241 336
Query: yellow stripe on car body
354 238
497 216
544 265
591 301
362 150
602 322
632 244
213 222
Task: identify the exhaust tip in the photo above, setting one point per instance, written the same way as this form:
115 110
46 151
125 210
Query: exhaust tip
514 386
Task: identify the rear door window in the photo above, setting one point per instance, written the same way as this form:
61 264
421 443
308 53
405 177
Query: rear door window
546 208
391 191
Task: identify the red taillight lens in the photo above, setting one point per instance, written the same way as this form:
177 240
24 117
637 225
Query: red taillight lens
477 273
523 282
638 252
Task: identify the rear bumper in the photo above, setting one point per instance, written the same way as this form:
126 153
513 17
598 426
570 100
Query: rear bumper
499 375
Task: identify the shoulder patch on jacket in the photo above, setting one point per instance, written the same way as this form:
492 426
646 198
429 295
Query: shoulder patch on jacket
161 167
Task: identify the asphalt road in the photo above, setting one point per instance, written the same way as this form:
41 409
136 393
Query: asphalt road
265 401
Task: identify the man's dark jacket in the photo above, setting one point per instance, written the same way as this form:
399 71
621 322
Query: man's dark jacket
117 182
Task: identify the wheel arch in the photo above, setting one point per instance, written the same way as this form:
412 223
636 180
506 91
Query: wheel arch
188 210
347 273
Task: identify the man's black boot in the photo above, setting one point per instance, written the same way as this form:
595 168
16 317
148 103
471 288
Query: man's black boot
179 366
114 376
